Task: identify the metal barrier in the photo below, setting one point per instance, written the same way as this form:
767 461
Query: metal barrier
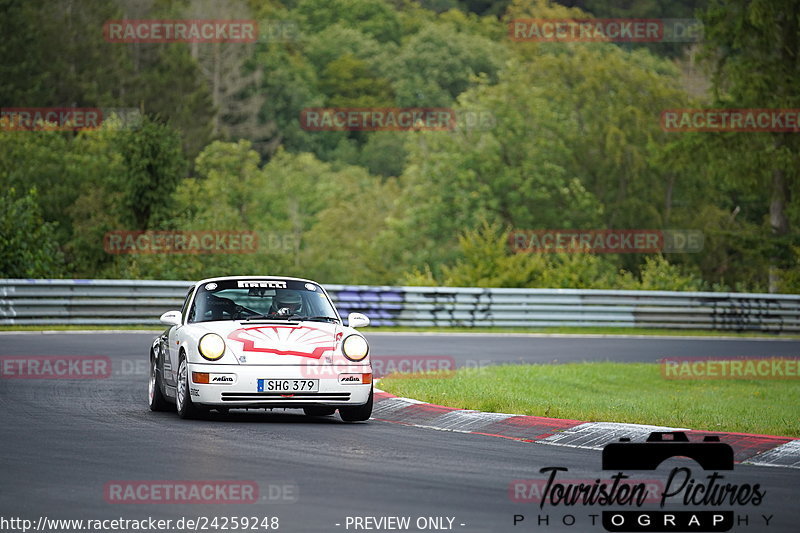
126 302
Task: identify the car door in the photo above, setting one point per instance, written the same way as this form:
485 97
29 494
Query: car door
173 342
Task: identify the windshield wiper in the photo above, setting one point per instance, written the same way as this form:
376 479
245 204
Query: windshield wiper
320 318
295 316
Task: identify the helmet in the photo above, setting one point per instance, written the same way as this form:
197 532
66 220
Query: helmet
287 299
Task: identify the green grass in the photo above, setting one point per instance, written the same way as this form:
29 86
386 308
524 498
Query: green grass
614 392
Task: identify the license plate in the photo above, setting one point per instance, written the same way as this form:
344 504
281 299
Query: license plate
288 385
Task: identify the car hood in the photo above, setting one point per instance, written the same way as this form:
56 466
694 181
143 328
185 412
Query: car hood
303 343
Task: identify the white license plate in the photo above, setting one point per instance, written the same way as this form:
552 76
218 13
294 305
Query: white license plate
288 385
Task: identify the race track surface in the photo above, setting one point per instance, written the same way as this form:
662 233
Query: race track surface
65 441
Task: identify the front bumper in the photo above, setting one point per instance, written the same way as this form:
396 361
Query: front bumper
243 390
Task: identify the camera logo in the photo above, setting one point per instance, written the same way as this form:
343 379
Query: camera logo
711 454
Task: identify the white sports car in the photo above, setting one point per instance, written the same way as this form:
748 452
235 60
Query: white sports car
261 342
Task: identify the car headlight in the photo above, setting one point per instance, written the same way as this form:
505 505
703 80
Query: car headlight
355 347
211 346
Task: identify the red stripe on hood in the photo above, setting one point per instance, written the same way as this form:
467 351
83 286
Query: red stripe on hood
317 344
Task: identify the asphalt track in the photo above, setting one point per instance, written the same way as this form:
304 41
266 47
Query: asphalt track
63 441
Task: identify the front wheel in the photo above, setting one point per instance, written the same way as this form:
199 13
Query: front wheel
358 413
155 397
183 400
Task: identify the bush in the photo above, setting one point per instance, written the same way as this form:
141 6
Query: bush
486 261
28 246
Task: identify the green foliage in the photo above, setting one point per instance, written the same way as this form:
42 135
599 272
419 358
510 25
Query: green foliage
569 138
289 82
55 55
348 82
299 207
384 153
790 279
39 160
372 17
438 63
153 165
485 260
28 247
755 45
185 104
657 274
555 158
338 40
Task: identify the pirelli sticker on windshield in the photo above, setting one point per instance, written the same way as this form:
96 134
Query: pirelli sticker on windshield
265 284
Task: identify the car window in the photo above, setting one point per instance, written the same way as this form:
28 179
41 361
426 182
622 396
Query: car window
185 307
238 300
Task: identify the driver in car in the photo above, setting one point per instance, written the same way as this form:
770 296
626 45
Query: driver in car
286 303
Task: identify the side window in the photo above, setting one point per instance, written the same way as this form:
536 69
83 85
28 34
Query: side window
185 307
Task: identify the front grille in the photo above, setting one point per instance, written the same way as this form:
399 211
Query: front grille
278 397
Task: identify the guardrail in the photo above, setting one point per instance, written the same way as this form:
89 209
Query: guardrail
126 302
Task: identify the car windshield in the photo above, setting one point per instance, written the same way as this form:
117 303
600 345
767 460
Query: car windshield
261 299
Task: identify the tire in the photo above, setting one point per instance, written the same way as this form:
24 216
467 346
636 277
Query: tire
183 399
155 397
319 411
359 413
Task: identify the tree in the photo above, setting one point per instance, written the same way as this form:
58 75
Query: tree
560 155
757 45
375 18
40 160
347 82
153 166
438 63
28 246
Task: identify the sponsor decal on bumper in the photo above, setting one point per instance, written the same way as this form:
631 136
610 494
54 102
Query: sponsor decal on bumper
355 379
213 379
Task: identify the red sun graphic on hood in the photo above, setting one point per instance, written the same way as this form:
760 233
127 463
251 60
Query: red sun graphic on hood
285 340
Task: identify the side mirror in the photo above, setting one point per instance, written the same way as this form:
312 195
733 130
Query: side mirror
357 320
171 318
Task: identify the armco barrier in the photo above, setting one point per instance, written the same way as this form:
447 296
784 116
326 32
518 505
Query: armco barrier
124 302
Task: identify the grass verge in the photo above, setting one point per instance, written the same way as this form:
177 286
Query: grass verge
613 392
